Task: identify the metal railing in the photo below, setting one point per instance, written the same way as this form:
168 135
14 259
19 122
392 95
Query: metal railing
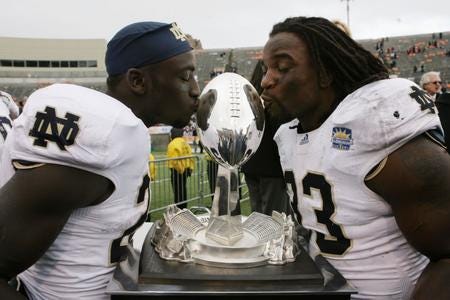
198 188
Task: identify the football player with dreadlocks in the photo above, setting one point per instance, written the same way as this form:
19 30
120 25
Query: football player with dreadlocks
362 157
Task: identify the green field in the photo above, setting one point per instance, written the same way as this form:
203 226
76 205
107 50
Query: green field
197 188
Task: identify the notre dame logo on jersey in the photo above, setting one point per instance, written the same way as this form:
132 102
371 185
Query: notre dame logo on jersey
425 100
50 128
4 121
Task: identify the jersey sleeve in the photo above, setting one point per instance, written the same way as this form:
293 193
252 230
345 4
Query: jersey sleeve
69 126
5 125
5 122
379 119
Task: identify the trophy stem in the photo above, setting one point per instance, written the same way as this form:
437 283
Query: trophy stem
225 225
226 196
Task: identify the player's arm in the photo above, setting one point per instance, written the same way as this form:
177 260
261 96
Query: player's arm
34 206
416 183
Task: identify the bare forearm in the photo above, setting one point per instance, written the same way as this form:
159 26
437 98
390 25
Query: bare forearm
7 292
433 283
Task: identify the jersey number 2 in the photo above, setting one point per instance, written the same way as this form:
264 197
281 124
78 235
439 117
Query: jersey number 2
118 250
335 243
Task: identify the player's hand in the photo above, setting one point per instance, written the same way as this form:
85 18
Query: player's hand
10 104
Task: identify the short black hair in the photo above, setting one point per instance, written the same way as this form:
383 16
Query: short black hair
113 81
176 132
334 52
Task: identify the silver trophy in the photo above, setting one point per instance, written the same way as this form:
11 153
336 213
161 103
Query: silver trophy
230 121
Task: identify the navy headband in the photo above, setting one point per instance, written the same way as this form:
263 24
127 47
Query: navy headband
142 44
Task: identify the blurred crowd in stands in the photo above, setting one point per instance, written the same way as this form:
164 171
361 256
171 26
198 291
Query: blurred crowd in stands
407 57
410 57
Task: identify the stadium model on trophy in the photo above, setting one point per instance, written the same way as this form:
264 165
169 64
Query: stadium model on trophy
230 121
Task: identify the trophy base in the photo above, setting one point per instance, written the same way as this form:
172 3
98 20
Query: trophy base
156 269
246 252
148 276
265 240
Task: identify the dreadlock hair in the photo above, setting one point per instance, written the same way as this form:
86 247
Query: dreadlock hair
257 76
335 53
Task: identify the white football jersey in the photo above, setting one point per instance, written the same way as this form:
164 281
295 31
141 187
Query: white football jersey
5 125
353 227
79 127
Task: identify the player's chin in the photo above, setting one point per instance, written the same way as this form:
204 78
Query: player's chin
278 114
182 121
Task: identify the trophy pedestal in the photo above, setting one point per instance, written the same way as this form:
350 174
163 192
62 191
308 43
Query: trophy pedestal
145 275
247 252
260 239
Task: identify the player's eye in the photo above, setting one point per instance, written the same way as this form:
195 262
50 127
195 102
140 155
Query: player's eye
186 75
283 68
264 69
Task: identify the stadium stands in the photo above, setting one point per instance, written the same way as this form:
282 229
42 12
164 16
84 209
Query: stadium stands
405 56
396 53
211 63
428 50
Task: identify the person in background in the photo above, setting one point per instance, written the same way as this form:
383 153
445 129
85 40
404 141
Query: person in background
342 26
443 106
359 154
263 173
431 82
83 157
197 143
180 169
152 167
8 112
211 169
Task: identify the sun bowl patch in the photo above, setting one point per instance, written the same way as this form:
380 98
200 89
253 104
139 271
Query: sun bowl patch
341 138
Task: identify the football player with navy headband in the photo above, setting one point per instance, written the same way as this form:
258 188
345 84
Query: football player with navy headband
367 173
75 180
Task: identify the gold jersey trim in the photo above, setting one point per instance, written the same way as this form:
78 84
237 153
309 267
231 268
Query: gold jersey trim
375 171
20 165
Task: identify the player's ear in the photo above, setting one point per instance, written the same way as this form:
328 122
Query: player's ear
137 81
